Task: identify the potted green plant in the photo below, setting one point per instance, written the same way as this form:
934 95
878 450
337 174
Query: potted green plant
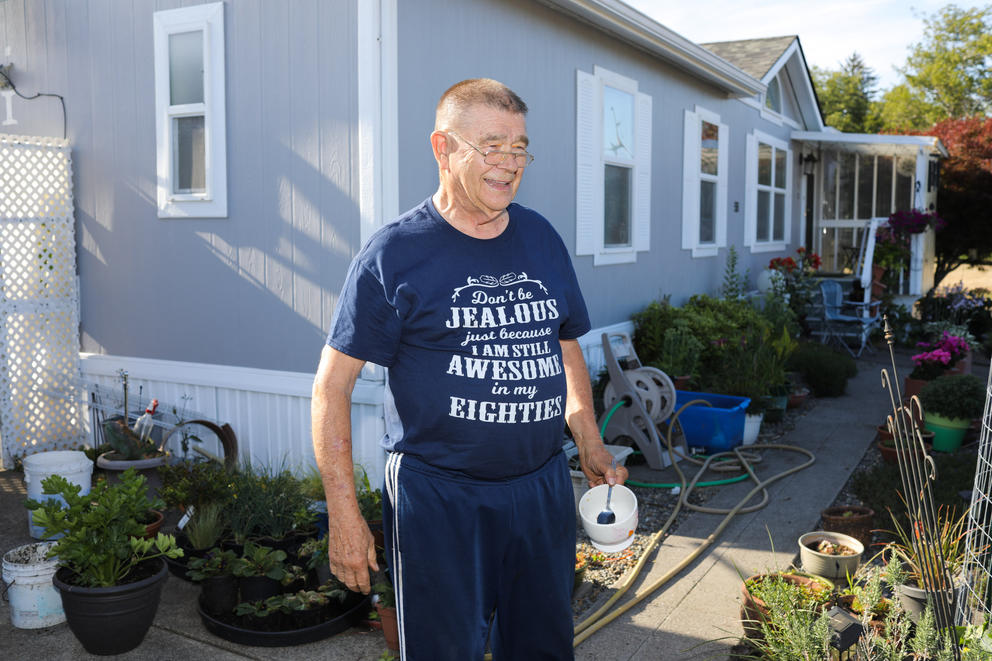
271 508
110 575
768 596
260 570
386 607
916 556
949 404
679 356
219 586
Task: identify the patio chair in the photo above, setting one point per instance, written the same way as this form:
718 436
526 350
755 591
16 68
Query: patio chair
842 326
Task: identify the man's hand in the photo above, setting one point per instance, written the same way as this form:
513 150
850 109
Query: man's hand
597 464
351 550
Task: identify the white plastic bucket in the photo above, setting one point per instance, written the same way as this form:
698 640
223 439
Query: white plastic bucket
73 465
27 577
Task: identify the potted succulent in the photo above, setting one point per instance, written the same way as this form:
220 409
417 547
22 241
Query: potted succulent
110 575
830 554
949 404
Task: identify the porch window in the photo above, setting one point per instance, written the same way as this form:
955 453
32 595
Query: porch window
613 165
857 187
190 112
704 183
769 177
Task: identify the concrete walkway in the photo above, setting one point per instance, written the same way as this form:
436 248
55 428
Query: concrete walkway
693 617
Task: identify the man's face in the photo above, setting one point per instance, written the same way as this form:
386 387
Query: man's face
474 186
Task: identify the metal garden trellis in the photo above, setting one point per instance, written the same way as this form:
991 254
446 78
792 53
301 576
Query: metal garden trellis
917 472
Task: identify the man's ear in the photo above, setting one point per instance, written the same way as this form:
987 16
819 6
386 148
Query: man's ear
442 147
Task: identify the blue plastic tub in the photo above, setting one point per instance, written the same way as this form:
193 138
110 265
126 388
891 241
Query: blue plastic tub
715 428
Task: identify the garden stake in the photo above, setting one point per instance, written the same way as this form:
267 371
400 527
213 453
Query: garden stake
917 472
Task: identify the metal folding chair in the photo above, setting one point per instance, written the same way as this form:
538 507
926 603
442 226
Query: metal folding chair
841 326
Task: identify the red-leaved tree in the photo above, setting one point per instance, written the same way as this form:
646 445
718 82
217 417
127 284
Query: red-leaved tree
964 196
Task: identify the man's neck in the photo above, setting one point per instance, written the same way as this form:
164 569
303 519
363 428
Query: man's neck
478 225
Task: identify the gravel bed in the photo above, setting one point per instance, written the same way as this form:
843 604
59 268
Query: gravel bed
606 572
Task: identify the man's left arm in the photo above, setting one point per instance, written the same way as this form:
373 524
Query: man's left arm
581 418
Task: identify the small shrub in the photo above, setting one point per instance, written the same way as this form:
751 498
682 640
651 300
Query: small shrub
825 370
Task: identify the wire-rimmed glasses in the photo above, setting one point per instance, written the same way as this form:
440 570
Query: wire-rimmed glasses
495 157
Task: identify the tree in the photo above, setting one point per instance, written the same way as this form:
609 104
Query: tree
964 195
946 74
847 96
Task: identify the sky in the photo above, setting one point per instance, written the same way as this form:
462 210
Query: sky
881 31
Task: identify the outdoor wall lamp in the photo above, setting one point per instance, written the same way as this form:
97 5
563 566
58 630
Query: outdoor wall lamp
807 162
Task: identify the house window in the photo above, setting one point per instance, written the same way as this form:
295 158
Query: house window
190 112
704 183
773 95
769 177
613 165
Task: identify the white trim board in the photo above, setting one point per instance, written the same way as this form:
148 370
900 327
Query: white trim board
249 379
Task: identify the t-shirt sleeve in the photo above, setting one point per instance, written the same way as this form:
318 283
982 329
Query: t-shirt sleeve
576 324
365 324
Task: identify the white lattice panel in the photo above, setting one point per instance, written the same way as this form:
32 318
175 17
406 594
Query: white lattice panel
39 321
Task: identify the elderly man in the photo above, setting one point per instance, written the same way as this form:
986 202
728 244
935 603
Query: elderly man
471 303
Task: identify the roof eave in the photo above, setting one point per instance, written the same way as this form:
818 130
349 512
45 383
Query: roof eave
927 141
633 27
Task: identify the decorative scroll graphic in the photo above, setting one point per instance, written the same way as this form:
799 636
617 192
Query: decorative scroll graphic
488 281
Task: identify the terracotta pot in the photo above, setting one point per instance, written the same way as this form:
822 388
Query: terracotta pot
754 611
798 397
151 530
852 520
912 387
390 626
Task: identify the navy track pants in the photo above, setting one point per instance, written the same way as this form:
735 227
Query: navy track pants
461 549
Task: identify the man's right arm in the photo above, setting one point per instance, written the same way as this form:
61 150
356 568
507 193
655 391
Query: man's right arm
350 545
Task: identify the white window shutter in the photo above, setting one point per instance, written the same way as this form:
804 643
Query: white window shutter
690 181
750 189
642 186
721 187
588 166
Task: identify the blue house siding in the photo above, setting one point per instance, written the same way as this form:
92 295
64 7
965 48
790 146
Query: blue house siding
257 288
539 53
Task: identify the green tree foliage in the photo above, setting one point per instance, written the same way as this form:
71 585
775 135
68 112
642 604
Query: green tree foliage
964 196
946 74
847 96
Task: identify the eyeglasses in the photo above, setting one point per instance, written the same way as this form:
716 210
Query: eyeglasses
494 157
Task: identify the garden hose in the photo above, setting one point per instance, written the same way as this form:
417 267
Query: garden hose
601 618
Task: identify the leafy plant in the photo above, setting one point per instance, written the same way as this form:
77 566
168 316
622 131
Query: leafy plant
796 625
126 443
959 396
266 503
369 499
102 537
260 561
680 351
206 526
195 484
217 562
387 597
825 370
734 284
916 552
294 602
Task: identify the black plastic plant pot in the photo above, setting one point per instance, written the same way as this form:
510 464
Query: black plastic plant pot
112 620
258 588
220 594
352 611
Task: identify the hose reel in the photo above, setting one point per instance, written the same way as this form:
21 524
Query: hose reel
652 399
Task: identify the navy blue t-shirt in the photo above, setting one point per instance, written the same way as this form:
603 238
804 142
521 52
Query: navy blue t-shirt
469 330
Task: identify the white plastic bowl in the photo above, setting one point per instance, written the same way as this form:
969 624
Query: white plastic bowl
618 535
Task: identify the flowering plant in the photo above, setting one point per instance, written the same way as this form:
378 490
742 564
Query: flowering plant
913 221
938 357
794 278
892 249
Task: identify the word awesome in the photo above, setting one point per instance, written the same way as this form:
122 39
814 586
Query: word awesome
505 370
